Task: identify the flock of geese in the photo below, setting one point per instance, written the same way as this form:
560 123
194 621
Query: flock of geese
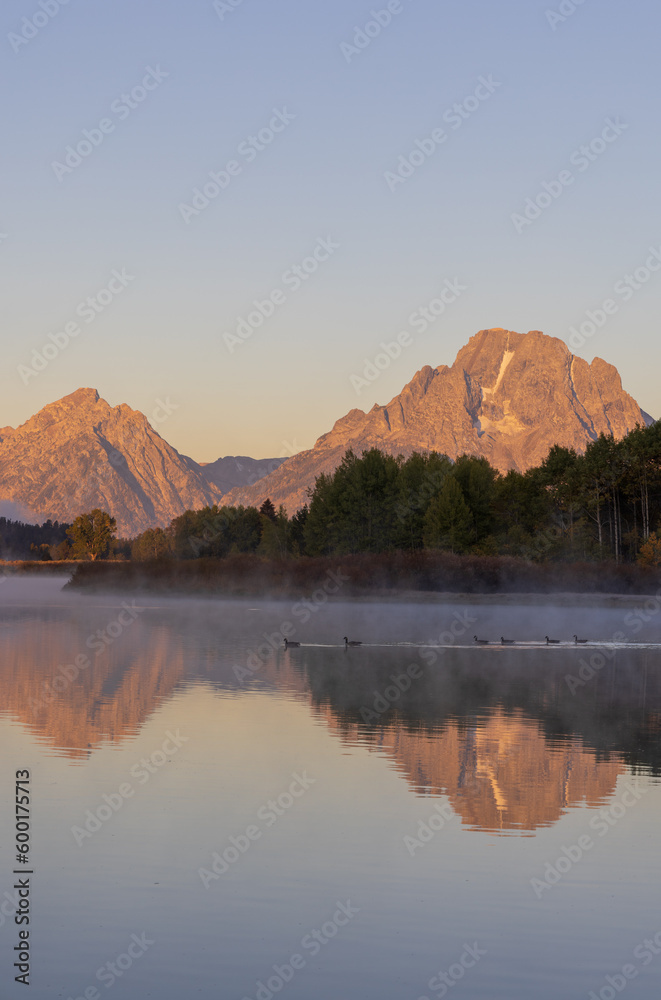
289 644
512 642
347 642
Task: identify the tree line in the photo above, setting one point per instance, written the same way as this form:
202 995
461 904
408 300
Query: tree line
90 536
604 504
33 541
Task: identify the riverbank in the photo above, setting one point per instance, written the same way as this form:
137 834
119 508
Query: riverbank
394 576
52 567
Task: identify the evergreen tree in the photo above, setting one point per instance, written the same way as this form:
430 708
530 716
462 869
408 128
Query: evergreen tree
421 477
268 510
448 521
477 480
297 529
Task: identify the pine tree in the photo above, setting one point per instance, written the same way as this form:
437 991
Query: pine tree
448 521
268 510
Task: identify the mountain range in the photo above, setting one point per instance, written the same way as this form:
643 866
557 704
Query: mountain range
508 397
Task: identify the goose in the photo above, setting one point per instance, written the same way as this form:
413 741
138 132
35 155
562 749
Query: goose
288 643
351 642
552 642
481 642
577 640
506 642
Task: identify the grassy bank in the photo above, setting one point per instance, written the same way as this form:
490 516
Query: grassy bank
364 575
20 567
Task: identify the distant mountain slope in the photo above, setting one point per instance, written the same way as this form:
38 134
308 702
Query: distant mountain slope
232 471
508 397
79 453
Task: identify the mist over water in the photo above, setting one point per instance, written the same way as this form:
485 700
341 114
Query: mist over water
196 782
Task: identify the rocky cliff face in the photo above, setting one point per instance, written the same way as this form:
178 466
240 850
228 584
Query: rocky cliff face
508 397
80 453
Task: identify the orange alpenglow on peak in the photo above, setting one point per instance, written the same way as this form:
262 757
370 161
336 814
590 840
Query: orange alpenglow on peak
79 453
508 397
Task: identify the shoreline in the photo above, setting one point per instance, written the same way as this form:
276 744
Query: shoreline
391 579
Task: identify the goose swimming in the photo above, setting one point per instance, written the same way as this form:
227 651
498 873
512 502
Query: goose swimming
351 642
288 643
552 642
481 642
577 640
506 642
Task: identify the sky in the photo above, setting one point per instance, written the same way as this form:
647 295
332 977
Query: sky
219 212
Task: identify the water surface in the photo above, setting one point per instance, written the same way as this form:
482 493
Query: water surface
377 816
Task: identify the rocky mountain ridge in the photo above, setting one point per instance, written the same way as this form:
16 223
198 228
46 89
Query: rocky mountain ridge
79 453
508 397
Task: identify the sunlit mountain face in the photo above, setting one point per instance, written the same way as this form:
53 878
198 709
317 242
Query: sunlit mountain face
508 397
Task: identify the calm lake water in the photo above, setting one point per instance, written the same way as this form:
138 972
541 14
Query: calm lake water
215 818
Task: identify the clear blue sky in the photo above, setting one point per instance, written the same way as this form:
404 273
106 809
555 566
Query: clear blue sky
357 111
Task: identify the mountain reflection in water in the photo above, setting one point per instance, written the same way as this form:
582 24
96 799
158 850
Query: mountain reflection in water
502 735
